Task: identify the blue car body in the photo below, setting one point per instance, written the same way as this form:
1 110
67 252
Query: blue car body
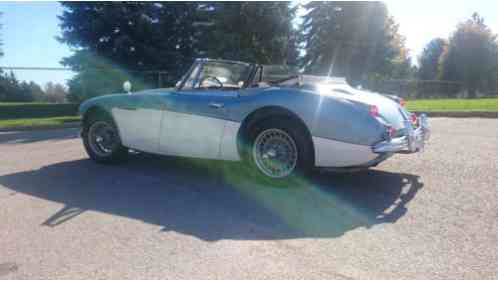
208 123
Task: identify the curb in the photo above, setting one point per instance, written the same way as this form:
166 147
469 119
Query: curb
460 114
41 127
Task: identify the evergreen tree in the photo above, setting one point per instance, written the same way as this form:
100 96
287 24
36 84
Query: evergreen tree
119 41
471 56
429 59
358 40
13 90
259 32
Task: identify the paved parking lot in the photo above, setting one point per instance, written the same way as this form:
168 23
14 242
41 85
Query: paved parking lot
429 215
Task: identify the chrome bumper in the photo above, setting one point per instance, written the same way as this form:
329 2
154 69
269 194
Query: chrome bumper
412 142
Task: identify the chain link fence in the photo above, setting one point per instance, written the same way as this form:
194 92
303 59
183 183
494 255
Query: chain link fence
95 81
150 79
426 89
418 89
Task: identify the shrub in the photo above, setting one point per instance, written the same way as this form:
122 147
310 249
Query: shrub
36 110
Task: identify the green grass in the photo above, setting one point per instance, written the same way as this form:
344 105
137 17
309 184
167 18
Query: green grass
38 121
484 104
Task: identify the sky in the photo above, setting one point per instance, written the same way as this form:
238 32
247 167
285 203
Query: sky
29 30
422 20
28 35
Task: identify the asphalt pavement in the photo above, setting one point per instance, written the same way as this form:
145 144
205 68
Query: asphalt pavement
427 215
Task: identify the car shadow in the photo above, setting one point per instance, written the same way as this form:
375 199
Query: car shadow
23 137
215 200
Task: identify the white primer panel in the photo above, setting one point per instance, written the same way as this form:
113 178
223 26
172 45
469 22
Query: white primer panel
331 153
139 129
228 146
191 135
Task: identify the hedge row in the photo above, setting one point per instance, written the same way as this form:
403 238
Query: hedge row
36 110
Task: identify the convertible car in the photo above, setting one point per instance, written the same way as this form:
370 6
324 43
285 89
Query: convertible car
281 123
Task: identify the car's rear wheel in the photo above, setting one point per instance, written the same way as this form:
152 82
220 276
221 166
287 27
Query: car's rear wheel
280 150
101 140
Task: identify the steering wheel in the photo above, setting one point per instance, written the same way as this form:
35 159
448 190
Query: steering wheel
211 80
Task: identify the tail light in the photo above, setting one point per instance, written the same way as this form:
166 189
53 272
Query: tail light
389 132
413 118
373 110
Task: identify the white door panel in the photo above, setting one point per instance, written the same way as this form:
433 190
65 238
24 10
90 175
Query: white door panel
191 135
139 128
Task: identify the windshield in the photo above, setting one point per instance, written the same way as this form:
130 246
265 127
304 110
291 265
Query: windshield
219 74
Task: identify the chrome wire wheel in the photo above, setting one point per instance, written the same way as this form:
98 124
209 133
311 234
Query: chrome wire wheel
102 138
275 153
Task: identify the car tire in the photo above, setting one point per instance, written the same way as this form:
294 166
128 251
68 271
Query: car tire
101 139
275 141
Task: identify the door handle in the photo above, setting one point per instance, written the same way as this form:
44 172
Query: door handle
216 105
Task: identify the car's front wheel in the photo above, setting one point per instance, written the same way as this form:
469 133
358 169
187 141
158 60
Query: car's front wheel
280 150
101 140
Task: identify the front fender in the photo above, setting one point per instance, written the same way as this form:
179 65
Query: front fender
106 102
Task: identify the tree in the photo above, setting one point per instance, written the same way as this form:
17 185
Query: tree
10 87
135 36
117 41
55 93
358 40
36 91
24 93
4 87
12 90
471 56
97 76
429 59
256 32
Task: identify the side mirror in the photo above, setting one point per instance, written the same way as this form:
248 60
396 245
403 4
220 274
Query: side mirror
127 87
